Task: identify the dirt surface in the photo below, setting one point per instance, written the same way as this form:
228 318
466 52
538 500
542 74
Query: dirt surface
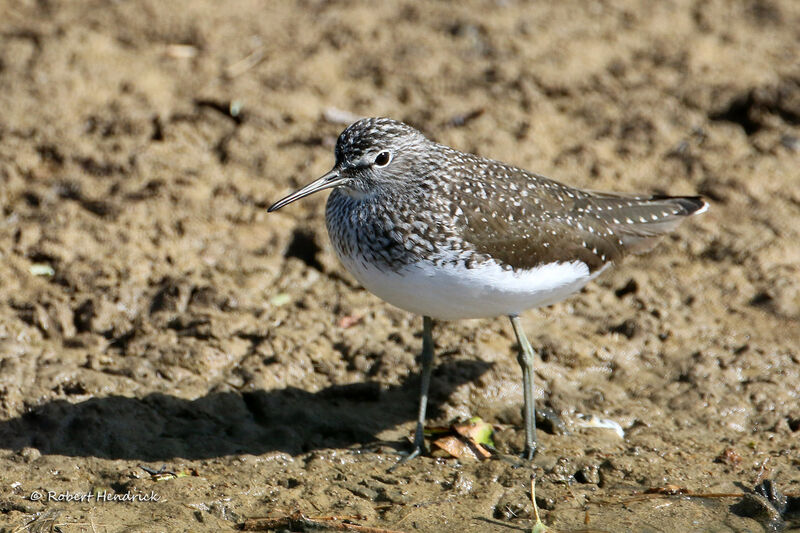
152 313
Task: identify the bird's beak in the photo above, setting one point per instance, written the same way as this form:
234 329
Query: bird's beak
331 179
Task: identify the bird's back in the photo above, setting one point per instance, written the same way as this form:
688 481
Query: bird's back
524 220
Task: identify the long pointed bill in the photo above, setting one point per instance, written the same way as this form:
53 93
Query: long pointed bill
331 179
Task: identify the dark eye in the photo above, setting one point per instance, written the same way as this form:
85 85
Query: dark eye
383 159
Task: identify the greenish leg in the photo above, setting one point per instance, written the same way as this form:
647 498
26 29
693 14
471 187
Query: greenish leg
427 368
525 358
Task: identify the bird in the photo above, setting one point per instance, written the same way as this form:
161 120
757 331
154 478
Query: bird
450 235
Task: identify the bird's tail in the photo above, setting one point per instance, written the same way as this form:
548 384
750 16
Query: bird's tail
639 220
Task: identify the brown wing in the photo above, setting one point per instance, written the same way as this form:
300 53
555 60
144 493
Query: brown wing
639 220
525 220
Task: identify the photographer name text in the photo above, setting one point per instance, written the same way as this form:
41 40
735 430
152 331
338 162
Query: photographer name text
99 496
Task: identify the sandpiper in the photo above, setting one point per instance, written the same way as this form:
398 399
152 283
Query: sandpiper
451 235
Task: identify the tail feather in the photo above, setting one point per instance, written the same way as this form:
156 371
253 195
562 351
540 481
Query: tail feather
640 220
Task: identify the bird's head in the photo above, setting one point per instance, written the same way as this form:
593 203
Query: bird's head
371 154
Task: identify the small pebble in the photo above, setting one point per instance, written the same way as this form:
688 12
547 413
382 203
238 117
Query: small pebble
29 455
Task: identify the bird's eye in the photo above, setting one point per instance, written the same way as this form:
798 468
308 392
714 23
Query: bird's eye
382 159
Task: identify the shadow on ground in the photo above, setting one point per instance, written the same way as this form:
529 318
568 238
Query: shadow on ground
161 427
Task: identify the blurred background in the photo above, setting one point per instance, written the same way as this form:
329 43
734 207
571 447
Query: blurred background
151 312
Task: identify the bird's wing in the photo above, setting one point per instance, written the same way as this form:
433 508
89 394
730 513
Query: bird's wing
525 220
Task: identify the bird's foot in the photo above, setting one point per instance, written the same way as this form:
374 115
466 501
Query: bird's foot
530 451
417 450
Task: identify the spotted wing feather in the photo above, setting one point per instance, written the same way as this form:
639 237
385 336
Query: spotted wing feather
538 221
638 220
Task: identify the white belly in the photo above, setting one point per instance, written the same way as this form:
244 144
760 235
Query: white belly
456 292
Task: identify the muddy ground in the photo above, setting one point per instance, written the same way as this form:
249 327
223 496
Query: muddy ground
152 313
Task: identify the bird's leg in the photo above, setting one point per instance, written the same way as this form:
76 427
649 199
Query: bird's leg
427 368
525 359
